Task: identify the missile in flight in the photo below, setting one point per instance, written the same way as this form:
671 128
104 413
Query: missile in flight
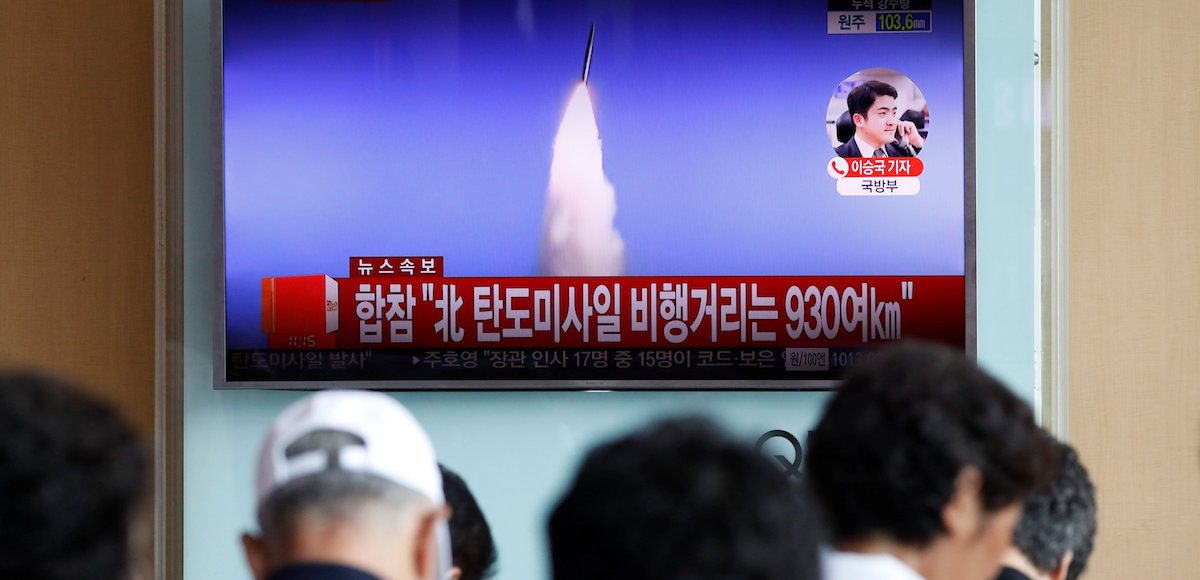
587 56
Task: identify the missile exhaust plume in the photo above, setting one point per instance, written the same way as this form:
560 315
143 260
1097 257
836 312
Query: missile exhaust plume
578 237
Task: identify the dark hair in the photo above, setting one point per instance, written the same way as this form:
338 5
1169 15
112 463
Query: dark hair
1060 519
72 474
470 537
861 98
680 499
885 456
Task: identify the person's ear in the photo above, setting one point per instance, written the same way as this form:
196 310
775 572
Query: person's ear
963 514
1064 565
425 560
859 119
454 574
256 555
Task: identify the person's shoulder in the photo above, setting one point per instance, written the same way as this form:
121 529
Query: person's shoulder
847 149
895 150
319 571
853 566
1007 573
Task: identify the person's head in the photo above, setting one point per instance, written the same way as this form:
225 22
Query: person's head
680 499
470 537
872 107
922 451
72 478
1058 525
348 477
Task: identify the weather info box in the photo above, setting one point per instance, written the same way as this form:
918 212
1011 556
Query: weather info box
547 195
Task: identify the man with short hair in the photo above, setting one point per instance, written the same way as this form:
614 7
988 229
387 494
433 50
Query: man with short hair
921 462
1054 538
72 478
680 499
872 107
348 489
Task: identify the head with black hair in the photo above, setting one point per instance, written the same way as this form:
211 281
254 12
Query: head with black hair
862 97
1054 537
872 107
680 499
470 536
72 477
922 455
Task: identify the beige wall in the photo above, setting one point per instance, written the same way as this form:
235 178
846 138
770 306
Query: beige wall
1134 116
77 194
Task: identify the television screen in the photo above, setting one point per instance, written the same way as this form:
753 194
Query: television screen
528 194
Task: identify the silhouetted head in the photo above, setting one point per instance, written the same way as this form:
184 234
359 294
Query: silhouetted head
680 499
470 536
1058 526
920 447
72 478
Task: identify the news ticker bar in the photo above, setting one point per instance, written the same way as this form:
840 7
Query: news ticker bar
508 365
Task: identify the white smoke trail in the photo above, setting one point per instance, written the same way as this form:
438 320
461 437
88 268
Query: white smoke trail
579 238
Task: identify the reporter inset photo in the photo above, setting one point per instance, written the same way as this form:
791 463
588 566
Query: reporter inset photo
877 112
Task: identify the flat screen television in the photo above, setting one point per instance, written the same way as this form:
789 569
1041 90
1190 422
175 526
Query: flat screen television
533 194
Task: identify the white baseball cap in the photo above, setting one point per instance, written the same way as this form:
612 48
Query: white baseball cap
395 447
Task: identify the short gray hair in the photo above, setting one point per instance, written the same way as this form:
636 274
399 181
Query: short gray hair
1060 519
331 494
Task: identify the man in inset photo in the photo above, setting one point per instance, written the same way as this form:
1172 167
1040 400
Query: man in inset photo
878 130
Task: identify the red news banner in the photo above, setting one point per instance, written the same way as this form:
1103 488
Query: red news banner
408 303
